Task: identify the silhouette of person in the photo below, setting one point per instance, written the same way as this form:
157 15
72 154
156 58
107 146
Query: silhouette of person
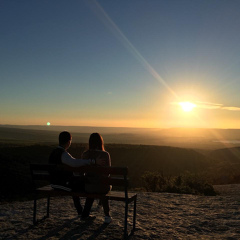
96 150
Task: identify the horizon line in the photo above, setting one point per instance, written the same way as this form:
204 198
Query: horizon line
49 126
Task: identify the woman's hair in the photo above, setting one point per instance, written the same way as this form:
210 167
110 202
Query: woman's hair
96 142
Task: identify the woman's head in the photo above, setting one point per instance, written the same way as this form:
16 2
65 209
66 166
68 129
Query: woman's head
96 142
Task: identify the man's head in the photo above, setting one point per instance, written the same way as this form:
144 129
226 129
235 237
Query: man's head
65 139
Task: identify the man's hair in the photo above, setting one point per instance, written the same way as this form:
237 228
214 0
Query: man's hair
64 137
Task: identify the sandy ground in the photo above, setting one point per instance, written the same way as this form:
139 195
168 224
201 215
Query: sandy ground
159 216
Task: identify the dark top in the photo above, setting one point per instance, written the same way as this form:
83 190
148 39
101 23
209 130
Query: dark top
58 175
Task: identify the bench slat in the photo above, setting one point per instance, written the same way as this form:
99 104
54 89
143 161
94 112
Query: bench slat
112 195
41 167
97 169
83 169
104 180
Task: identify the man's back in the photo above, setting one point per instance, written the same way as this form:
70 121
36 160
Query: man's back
58 175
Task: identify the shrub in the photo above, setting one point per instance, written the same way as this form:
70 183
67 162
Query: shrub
187 183
150 180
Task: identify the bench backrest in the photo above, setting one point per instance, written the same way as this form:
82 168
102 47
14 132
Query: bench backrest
116 176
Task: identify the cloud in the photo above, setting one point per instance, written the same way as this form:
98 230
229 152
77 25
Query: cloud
231 108
207 105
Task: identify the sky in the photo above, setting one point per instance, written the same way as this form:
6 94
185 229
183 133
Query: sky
121 63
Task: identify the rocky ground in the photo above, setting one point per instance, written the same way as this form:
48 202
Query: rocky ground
159 216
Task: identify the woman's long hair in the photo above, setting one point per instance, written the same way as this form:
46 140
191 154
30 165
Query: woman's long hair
96 142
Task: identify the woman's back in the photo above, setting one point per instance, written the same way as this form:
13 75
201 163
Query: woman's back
94 154
94 185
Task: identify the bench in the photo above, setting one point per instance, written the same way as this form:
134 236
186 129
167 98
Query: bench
118 177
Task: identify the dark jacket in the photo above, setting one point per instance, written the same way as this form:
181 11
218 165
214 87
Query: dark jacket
58 175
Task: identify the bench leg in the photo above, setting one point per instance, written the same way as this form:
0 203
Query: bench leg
125 222
34 211
134 214
48 206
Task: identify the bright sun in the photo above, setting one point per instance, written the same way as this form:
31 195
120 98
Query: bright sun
187 106
48 123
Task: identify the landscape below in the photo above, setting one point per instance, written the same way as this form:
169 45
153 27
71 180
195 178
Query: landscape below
150 166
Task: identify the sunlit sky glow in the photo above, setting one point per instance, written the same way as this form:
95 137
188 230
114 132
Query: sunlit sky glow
187 106
120 63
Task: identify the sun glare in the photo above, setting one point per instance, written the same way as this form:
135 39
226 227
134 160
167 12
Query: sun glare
187 106
48 123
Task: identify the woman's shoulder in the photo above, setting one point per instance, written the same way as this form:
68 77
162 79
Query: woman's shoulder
104 155
101 153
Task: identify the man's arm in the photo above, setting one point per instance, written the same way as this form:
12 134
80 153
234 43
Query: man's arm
74 162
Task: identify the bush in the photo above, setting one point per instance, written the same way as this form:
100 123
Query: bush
187 183
154 181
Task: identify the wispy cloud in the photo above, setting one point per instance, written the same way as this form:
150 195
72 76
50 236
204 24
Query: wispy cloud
231 108
208 105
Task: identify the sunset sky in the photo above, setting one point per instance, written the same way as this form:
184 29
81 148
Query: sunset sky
120 63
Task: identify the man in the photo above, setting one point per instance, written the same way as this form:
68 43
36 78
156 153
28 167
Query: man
62 179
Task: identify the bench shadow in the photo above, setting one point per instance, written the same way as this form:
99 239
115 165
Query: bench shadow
98 231
55 231
78 231
73 233
21 232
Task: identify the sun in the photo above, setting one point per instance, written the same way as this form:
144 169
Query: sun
48 123
187 106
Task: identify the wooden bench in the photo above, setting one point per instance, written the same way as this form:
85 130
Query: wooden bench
118 177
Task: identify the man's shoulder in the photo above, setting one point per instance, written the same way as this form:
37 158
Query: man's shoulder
57 150
56 154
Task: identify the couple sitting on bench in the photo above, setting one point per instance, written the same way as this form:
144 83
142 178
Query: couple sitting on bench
68 181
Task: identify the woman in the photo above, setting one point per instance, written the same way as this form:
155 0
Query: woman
96 150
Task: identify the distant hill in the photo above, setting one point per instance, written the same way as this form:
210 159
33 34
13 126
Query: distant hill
226 165
168 155
34 136
176 137
230 155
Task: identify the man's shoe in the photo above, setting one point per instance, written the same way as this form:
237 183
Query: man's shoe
107 219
